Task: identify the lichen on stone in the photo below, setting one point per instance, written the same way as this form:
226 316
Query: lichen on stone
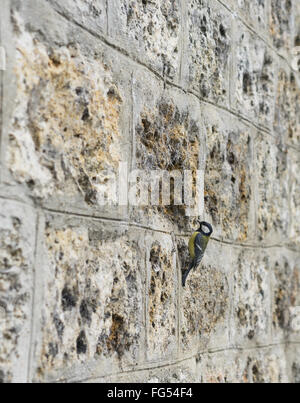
287 108
273 200
162 302
280 23
252 298
204 306
179 136
151 29
93 306
228 178
254 78
16 270
64 136
209 44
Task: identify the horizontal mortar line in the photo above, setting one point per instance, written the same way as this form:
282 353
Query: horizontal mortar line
103 39
82 215
278 139
135 59
251 246
17 200
145 227
222 107
293 147
248 348
101 218
126 53
129 371
174 363
244 245
234 113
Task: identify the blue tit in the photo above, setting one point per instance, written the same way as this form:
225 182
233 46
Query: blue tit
197 246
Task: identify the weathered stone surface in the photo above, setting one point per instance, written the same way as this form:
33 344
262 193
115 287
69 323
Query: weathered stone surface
254 12
287 108
272 198
260 366
265 366
93 291
150 30
168 137
205 300
281 23
17 244
223 367
253 81
228 176
207 54
162 306
286 296
293 363
296 25
87 13
251 299
294 174
68 133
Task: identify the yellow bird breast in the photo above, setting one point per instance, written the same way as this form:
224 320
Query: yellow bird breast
192 244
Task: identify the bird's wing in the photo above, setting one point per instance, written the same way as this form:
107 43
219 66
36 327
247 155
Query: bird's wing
199 250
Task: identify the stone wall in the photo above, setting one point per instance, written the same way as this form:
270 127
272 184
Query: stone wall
90 293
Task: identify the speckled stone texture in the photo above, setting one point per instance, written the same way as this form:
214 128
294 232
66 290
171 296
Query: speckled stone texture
17 249
90 289
209 42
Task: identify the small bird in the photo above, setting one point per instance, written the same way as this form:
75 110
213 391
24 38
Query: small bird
197 246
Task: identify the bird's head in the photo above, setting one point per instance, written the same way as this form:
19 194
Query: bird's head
205 228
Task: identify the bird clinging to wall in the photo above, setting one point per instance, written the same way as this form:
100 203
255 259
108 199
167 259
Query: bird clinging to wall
197 245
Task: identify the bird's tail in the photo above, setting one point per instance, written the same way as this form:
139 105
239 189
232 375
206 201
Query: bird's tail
186 273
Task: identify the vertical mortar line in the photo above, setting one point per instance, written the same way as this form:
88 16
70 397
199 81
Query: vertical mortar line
270 274
232 62
146 299
133 134
30 351
1 103
107 17
183 41
231 300
38 296
290 189
267 16
131 161
178 298
203 141
277 65
6 6
255 185
271 286
292 20
290 176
